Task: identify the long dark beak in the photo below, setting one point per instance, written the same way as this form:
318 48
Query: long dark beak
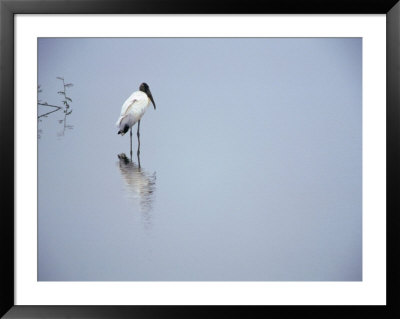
151 98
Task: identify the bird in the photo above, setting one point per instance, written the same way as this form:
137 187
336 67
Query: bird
133 110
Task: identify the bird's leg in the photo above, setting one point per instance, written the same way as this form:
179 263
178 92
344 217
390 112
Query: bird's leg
138 138
138 158
131 141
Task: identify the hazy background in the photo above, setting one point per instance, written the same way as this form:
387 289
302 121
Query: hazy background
250 166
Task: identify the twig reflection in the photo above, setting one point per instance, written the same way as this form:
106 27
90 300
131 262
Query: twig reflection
65 126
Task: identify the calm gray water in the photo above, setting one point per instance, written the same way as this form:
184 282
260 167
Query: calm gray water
250 166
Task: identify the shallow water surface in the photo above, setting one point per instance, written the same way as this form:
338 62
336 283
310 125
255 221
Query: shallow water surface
249 169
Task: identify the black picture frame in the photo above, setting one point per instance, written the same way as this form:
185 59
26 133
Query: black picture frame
11 7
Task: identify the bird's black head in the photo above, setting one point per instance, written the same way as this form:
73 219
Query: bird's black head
146 89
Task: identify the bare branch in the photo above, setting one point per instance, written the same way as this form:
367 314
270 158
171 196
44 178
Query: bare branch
45 115
46 104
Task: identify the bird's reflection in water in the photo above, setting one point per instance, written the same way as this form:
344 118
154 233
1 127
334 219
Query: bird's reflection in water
139 185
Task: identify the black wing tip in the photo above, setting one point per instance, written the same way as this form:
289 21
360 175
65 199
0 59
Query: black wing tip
126 129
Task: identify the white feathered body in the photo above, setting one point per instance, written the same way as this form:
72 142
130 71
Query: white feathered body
132 110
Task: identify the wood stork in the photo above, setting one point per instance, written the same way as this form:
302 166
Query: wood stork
132 111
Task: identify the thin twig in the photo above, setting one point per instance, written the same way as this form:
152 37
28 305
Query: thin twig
58 107
49 113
